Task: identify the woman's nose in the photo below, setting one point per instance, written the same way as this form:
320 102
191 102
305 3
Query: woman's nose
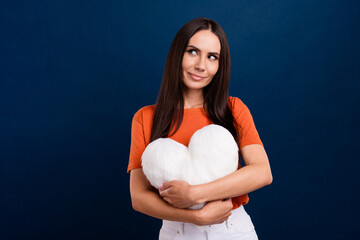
200 64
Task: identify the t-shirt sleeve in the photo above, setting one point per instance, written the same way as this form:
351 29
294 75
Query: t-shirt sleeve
138 143
247 130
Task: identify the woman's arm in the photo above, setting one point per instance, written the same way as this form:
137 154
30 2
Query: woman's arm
146 200
254 175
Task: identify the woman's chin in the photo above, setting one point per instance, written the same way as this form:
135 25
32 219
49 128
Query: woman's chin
193 86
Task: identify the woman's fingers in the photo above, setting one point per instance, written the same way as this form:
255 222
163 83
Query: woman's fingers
225 218
227 203
216 211
165 185
177 193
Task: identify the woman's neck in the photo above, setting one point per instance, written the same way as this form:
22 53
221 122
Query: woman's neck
193 98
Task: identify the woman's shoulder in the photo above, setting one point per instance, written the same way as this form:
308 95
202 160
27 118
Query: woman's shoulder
236 103
147 109
145 113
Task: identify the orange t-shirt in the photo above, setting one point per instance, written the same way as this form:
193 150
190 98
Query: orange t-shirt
193 120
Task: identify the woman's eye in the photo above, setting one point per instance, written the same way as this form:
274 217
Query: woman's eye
212 57
192 51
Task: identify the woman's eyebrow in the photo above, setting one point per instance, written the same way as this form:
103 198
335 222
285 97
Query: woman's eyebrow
214 53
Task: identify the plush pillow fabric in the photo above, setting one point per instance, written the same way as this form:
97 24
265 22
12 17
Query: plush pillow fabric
212 153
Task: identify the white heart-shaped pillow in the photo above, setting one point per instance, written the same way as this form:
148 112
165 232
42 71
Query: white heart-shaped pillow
212 153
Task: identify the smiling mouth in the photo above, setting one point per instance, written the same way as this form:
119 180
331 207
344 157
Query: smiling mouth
196 77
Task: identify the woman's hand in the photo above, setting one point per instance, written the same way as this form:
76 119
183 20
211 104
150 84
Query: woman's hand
214 212
180 194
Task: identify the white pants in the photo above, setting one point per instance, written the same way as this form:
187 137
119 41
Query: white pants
238 226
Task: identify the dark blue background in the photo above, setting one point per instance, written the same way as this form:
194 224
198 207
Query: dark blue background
73 73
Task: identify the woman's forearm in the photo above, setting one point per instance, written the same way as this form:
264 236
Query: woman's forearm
245 180
254 175
146 200
150 203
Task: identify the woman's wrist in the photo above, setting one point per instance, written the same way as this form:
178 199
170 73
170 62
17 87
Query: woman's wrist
197 194
198 217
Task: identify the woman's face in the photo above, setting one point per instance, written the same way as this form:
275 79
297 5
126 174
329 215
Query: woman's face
201 60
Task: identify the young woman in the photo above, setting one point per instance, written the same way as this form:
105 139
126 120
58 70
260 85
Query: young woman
193 94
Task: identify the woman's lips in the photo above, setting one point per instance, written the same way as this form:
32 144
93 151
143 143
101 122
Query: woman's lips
196 77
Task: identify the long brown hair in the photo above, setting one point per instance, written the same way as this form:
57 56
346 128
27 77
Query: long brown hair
169 110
